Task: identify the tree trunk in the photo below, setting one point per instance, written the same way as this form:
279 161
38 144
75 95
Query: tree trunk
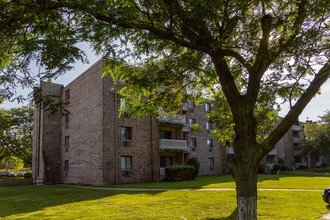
246 190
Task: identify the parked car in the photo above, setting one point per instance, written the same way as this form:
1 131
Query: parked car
326 195
8 174
21 174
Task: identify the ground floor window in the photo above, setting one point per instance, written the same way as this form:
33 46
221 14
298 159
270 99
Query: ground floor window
166 161
66 165
126 162
211 162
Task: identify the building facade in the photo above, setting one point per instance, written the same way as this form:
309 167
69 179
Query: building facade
92 145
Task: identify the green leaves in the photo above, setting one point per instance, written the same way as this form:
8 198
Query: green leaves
16 133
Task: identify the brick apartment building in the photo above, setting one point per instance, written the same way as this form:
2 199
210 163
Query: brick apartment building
91 145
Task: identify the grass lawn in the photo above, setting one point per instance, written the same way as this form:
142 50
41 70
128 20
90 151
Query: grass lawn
68 202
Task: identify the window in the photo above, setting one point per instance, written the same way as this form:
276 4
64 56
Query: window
192 121
207 107
123 104
165 134
191 104
209 142
126 162
208 125
166 161
66 142
211 162
66 165
126 133
67 95
193 142
66 119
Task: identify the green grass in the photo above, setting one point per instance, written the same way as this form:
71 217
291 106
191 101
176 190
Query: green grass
70 202
287 180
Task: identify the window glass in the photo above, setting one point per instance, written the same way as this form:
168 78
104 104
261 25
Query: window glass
207 107
126 162
125 133
209 142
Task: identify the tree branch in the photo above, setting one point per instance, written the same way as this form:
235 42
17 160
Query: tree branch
299 106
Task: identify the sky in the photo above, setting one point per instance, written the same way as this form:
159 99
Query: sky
317 107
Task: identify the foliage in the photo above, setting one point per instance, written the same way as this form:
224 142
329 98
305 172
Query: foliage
28 176
281 167
180 173
195 163
262 168
317 136
242 54
12 163
196 127
16 133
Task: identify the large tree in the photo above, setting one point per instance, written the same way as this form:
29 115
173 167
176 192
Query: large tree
317 137
16 133
242 54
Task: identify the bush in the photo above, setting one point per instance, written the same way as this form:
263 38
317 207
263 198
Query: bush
281 167
262 168
179 173
324 164
281 161
301 167
194 162
27 175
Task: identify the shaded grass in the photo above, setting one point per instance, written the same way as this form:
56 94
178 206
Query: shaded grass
66 202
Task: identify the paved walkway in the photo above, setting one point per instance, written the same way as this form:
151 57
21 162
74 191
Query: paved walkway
325 217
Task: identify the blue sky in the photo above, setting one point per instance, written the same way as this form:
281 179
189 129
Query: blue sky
318 106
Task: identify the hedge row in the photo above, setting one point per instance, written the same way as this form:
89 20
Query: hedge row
180 173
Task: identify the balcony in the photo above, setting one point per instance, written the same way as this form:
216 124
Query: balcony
175 119
296 140
230 150
173 145
296 128
186 129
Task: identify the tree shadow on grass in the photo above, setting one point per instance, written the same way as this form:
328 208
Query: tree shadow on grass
27 199
233 216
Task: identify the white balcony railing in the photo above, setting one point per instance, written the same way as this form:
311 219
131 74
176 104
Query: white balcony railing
175 119
230 150
296 127
170 144
296 140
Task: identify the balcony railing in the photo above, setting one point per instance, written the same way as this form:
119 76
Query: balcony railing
176 119
296 127
296 140
230 150
176 145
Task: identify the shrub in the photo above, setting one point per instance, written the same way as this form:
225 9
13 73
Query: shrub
324 164
281 167
179 173
27 175
194 162
281 161
262 168
301 167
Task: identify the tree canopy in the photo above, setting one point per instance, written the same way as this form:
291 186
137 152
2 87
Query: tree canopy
16 133
317 136
242 54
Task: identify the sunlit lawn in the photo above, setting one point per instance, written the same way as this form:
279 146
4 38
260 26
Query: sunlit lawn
286 180
70 202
